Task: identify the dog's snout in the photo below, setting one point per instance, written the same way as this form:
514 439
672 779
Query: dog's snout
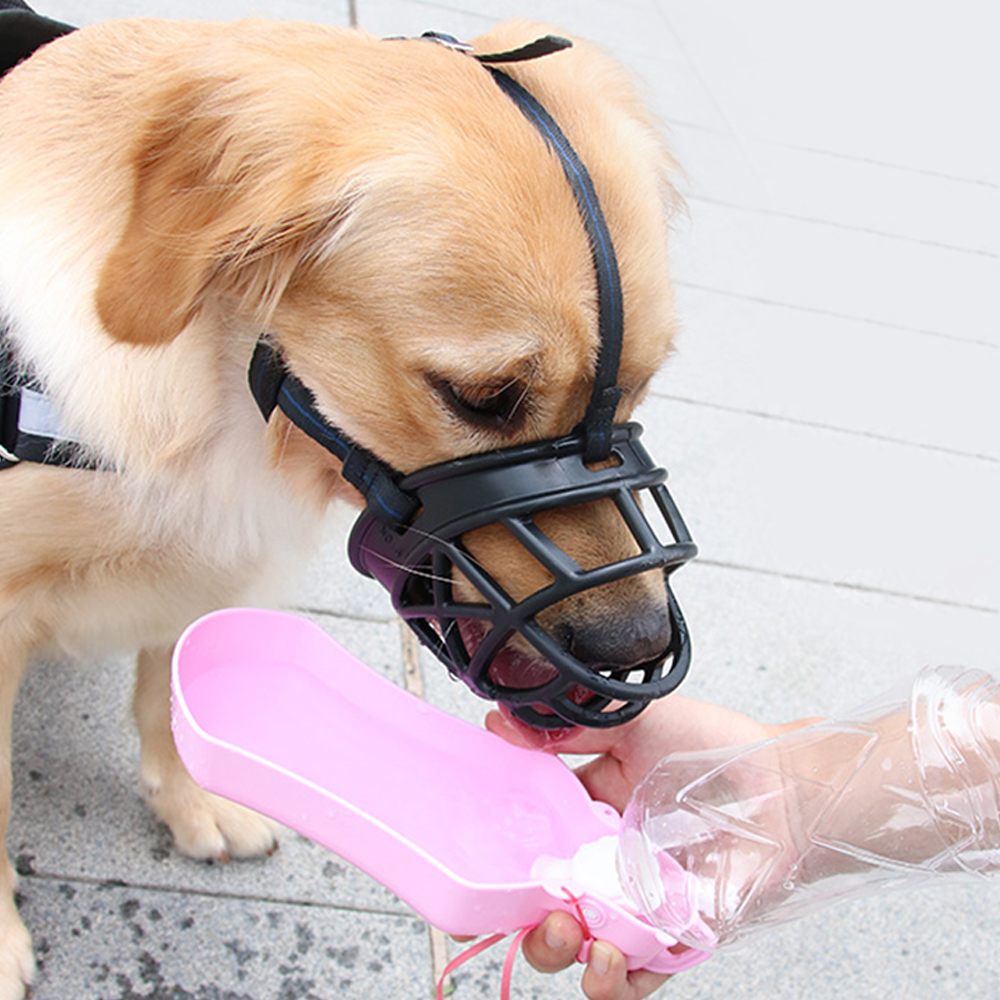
643 635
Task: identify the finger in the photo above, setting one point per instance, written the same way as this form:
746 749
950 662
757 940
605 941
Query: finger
644 984
502 723
555 740
510 730
607 977
553 944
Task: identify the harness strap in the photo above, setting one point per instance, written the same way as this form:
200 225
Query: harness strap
23 32
30 429
28 425
10 409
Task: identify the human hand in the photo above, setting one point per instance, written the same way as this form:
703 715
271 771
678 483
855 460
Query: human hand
554 944
626 755
628 752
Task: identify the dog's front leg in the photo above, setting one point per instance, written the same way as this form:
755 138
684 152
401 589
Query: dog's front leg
17 961
203 825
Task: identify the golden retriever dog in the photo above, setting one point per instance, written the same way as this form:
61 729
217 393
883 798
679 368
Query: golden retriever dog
169 192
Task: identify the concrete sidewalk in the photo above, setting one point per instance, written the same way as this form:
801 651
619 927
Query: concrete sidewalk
830 423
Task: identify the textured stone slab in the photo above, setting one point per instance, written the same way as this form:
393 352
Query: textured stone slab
113 942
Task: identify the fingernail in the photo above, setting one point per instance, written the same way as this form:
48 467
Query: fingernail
600 958
553 939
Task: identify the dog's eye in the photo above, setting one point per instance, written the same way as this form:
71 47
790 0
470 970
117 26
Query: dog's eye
497 407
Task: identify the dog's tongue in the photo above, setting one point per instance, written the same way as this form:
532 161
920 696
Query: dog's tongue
515 669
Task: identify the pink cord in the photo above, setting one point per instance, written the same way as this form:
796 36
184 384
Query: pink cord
469 952
574 901
508 966
478 948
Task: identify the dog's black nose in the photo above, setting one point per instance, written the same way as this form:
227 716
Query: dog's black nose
640 635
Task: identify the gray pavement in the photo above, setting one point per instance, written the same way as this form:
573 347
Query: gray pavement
830 422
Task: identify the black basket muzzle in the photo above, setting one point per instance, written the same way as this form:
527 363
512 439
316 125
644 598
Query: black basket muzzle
421 564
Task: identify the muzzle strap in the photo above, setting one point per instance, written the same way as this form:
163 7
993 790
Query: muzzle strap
544 46
600 415
274 386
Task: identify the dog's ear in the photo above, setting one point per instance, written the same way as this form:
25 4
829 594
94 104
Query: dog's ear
209 211
149 285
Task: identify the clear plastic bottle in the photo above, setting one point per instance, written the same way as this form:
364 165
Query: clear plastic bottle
715 846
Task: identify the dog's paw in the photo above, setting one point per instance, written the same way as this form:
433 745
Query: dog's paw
207 826
17 960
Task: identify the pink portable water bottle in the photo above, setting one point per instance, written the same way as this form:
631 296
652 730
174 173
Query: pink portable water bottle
478 836
482 837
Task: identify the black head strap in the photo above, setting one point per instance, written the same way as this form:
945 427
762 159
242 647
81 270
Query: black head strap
600 415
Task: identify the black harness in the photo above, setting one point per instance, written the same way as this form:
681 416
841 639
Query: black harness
410 535
29 430
23 32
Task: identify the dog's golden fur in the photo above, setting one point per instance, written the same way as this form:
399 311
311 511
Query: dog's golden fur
168 191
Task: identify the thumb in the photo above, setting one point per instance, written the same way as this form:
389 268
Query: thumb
606 781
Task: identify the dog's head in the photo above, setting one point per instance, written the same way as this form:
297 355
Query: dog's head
411 246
